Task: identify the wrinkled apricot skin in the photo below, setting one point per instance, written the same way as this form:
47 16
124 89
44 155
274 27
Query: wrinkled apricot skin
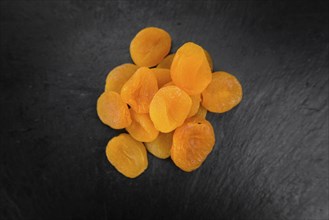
161 146
222 94
202 112
150 46
119 76
127 155
166 62
192 142
169 108
196 99
139 90
142 128
162 76
190 69
112 111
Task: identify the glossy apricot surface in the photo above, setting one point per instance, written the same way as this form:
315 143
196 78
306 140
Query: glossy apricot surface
112 111
192 142
169 108
119 76
166 62
161 146
223 93
162 76
190 69
127 155
196 99
139 90
150 46
142 128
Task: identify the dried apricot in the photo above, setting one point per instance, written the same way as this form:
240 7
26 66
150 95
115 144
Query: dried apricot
192 142
169 108
202 112
162 76
190 69
223 93
166 62
112 111
127 155
142 128
196 99
139 90
150 46
119 76
161 146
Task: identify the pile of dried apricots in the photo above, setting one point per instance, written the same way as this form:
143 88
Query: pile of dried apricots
162 101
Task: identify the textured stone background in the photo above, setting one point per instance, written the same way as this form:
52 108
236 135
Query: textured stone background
271 155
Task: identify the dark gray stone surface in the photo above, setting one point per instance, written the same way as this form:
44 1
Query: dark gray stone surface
271 155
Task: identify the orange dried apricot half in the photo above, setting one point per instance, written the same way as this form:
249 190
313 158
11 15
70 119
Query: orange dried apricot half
119 76
192 142
161 146
190 69
162 76
142 128
196 99
166 62
139 90
223 93
169 108
127 155
112 111
150 46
